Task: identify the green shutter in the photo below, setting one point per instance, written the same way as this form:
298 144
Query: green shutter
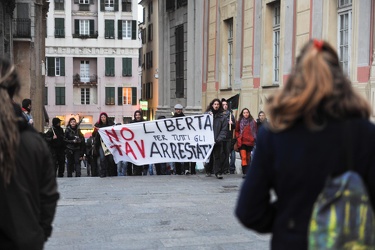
92 28
76 27
62 66
116 5
59 27
126 67
51 66
109 29
134 30
119 95
134 96
110 67
102 5
107 67
119 24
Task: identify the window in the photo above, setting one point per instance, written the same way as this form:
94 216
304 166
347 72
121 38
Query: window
59 4
149 60
85 96
148 90
126 67
344 33
143 36
127 96
110 96
84 71
150 32
179 61
169 6
45 95
84 28
59 28
109 29
109 5
276 42
83 1
60 95
181 3
150 10
229 24
126 5
56 66
109 66
127 29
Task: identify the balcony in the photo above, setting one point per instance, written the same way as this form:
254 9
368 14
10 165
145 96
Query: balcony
79 80
95 35
84 7
22 28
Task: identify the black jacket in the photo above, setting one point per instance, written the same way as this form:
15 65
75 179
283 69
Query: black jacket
295 163
75 140
59 142
28 203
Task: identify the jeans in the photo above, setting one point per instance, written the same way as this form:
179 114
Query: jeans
122 168
232 163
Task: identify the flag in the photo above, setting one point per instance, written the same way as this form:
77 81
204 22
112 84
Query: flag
233 102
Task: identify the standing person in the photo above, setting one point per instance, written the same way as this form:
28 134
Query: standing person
262 120
303 146
161 168
55 138
28 189
181 167
220 127
143 169
75 147
26 111
105 161
229 151
246 130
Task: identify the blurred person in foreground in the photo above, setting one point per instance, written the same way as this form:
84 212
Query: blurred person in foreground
28 189
302 146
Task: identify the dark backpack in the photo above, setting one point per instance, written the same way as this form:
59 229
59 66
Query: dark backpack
342 216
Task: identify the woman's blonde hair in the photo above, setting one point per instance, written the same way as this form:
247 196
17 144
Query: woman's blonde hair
9 133
316 90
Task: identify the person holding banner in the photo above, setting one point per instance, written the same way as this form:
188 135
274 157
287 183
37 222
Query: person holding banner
229 152
139 170
75 147
55 139
182 167
100 148
220 127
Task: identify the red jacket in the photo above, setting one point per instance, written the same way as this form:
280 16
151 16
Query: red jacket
248 136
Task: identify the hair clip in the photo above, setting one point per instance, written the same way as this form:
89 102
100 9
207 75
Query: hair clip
318 44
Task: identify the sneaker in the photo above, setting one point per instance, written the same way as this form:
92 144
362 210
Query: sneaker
219 176
208 174
187 172
243 176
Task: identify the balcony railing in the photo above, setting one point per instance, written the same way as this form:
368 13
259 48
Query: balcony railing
22 28
85 80
95 35
84 7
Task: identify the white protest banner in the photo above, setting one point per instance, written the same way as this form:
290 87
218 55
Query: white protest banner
181 139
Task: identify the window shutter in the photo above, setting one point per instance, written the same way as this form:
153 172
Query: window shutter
92 31
134 96
102 5
76 27
126 67
62 66
119 95
107 68
51 66
116 5
119 26
134 30
76 1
